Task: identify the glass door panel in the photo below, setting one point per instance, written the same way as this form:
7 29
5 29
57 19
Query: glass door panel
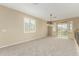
62 30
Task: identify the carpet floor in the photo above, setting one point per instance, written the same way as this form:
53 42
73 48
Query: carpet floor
48 46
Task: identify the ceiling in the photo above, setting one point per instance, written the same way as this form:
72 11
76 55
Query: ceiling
43 10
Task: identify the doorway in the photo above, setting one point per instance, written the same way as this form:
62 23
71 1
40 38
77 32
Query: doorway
62 30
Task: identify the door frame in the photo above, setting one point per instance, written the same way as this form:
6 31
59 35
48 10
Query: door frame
68 25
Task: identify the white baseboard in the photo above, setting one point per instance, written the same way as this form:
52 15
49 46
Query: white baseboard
20 42
77 47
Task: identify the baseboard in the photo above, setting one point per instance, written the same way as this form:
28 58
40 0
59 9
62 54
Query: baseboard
77 47
24 41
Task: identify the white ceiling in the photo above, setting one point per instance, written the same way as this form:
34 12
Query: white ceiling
43 10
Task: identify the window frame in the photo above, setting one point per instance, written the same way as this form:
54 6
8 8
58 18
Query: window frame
29 21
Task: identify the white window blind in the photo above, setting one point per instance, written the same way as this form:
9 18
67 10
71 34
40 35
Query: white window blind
29 25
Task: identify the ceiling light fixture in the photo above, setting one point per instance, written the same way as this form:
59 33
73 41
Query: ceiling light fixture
50 21
35 3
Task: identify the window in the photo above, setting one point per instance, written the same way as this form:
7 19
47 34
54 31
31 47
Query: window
71 25
29 25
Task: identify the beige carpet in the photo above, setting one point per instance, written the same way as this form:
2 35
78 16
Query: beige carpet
42 47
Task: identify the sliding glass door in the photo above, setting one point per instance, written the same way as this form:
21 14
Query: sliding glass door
62 30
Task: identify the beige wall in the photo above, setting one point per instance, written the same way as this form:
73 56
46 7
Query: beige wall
13 22
76 23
